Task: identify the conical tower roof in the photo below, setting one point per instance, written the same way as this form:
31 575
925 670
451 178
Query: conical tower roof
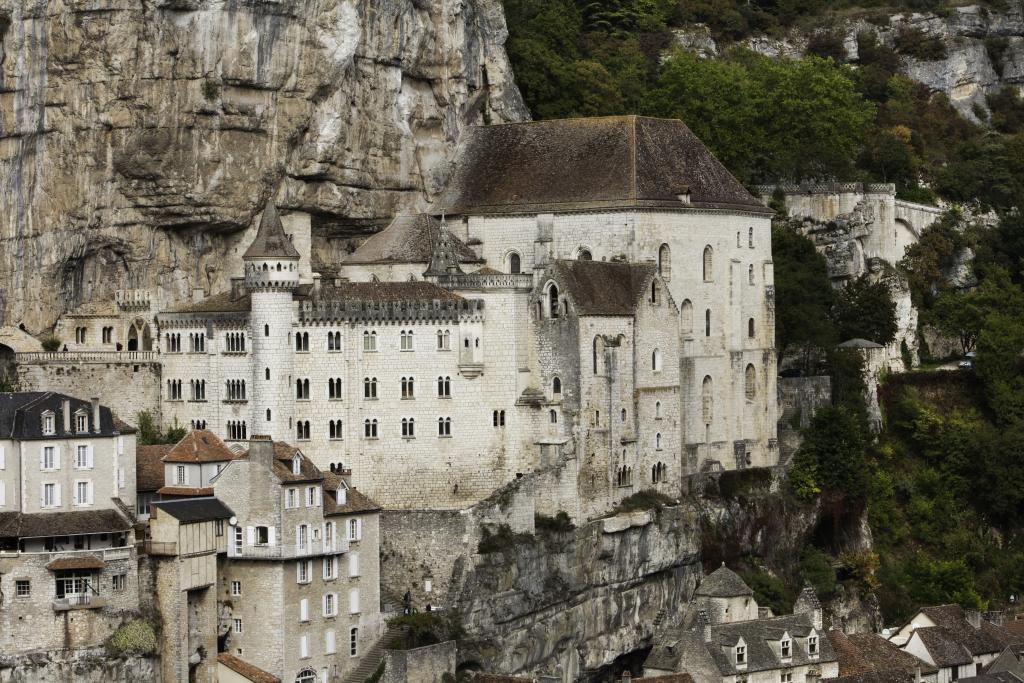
271 242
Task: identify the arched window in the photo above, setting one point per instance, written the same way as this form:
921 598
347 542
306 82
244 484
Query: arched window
370 387
750 328
266 373
306 676
553 416
657 441
266 330
656 360
739 242
664 262
707 399
514 263
268 414
336 429
750 238
408 387
622 414
408 427
556 385
707 323
444 426
444 387
709 262
584 255
750 274
686 316
553 300
657 410
750 382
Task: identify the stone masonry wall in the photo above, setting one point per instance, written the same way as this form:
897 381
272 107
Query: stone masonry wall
127 388
427 664
80 666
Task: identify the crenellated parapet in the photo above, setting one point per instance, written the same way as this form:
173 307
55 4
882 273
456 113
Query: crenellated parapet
331 312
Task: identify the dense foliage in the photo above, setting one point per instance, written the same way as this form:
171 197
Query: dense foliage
150 434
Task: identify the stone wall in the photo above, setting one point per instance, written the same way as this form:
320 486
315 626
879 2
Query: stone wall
799 400
428 664
126 387
81 666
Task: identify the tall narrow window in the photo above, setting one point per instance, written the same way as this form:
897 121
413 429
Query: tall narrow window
514 263
709 256
750 274
686 316
750 382
707 399
444 387
707 323
553 300
408 387
656 360
750 328
556 385
444 426
664 262
750 238
369 387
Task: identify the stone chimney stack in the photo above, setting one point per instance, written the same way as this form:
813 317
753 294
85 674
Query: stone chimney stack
96 413
807 603
973 617
66 409
261 451
704 625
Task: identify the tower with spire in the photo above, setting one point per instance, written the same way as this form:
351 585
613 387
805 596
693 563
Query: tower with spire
271 276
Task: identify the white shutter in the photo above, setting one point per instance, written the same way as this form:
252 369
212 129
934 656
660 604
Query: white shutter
359 529
3 493
250 533
353 601
304 647
272 535
56 457
88 456
42 495
3 459
327 563
353 564
329 644
298 548
56 495
42 457
88 492
120 477
303 609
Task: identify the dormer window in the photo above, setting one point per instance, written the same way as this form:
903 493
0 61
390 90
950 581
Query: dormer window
787 648
741 655
342 495
297 464
81 423
48 423
812 645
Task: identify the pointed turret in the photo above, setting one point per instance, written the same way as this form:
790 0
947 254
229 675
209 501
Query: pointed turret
271 242
445 257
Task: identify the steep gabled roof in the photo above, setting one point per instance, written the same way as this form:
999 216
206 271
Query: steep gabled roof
200 445
602 287
271 240
595 163
149 466
943 646
409 238
21 415
986 639
195 509
758 635
722 583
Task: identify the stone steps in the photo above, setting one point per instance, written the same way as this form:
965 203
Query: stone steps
372 659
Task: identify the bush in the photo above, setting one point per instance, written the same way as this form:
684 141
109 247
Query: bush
648 499
914 42
816 569
560 523
827 45
50 343
769 591
137 637
502 538
211 90
426 628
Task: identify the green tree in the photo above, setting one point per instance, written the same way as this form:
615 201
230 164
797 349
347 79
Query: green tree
803 295
957 314
835 441
865 310
925 262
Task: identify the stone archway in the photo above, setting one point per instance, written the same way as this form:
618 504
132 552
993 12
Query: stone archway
139 338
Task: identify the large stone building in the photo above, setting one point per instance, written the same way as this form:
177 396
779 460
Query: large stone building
68 567
599 296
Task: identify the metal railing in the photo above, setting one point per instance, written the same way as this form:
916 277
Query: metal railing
263 551
120 553
87 357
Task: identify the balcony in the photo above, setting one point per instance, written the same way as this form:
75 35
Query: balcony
285 552
74 601
107 554
160 548
78 357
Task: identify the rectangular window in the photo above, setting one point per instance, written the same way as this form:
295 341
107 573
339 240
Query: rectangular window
330 568
238 626
312 497
330 605
787 650
49 458
353 601
83 493
118 582
82 457
303 571
180 475
49 495
236 588
787 677
353 564
289 501
23 588
741 654
81 424
812 645
48 424
262 535
304 647
218 527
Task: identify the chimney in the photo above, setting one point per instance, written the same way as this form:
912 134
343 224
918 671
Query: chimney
973 617
316 283
994 617
704 624
917 674
66 409
95 413
261 451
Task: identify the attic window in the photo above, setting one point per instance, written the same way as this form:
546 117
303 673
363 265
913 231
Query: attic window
342 495
787 648
812 645
48 423
81 422
741 654
297 464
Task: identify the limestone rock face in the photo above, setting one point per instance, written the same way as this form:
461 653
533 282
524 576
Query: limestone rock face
138 139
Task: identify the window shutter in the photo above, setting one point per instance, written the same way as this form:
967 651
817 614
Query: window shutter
304 647
353 601
3 459
88 492
56 457
359 529
329 645
3 493
272 535
42 495
89 456
323 605
327 563
42 457
120 477
353 564
250 533
304 610
56 495
297 547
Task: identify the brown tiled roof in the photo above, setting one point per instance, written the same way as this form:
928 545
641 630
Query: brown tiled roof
386 291
667 678
575 164
409 238
283 455
603 288
245 669
355 501
77 562
881 654
200 445
987 639
149 466
40 524
886 676
122 426
224 302
271 241
943 646
848 655
187 491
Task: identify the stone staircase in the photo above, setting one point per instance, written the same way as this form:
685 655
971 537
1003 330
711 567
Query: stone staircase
372 659
659 617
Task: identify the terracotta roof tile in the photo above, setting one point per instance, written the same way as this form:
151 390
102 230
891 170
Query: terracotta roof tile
355 501
149 466
245 669
76 562
200 445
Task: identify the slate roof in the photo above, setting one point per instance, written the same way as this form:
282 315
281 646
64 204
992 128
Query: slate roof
245 669
860 344
409 238
149 466
1000 677
195 509
185 491
758 634
224 302
722 583
601 287
21 415
42 524
987 639
595 163
385 292
271 240
943 646
870 653
198 446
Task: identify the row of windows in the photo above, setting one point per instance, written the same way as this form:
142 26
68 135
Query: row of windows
408 427
407 385
196 342
49 420
50 494
107 335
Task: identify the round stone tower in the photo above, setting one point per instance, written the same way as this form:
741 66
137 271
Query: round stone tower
271 276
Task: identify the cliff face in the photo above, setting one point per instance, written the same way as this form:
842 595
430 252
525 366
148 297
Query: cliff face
138 138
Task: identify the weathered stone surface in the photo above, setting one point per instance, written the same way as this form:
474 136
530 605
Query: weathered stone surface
137 140
85 666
